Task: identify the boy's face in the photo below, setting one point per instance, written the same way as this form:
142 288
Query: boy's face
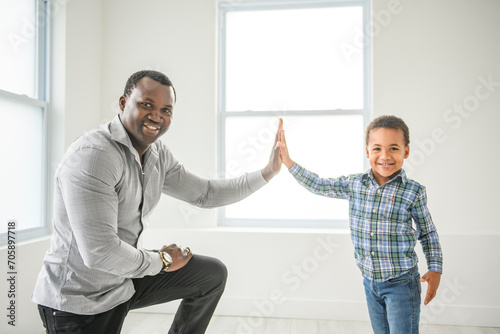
386 152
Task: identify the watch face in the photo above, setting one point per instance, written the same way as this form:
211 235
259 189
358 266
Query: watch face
167 257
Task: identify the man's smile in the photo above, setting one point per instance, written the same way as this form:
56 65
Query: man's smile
151 127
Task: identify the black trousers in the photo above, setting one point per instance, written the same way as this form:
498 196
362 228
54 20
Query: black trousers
199 284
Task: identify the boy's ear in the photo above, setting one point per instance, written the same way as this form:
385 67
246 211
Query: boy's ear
367 153
407 151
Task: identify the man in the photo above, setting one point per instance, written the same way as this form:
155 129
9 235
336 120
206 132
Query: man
106 186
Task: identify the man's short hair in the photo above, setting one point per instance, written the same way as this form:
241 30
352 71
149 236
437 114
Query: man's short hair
155 75
388 122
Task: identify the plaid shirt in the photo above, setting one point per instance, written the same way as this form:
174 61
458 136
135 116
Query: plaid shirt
381 221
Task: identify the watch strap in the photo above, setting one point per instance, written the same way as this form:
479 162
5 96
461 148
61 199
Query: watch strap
166 263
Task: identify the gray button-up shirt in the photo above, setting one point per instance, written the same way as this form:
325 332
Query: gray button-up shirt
103 198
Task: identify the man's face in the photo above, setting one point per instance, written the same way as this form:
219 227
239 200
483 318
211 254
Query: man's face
147 112
386 152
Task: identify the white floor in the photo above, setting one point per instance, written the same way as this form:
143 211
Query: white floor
150 323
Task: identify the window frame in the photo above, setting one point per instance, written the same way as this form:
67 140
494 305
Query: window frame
222 114
40 100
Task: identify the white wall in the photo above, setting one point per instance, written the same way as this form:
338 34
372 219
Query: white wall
427 62
427 57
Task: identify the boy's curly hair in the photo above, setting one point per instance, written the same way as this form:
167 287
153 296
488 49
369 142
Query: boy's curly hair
388 122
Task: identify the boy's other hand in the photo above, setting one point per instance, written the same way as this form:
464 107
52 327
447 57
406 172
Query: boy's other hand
275 161
285 156
432 278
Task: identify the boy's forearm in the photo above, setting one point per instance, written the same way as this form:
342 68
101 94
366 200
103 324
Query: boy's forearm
288 163
334 188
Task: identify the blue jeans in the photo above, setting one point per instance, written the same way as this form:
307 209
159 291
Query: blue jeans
394 305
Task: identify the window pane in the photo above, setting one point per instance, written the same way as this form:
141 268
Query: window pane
18 45
293 60
328 145
21 170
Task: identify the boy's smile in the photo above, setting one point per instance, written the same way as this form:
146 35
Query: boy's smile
386 152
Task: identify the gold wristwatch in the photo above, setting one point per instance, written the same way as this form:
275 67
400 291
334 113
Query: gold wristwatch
167 260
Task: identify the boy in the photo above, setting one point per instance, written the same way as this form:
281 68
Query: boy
382 204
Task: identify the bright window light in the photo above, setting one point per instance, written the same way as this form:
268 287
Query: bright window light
18 45
291 60
288 61
339 152
22 170
24 110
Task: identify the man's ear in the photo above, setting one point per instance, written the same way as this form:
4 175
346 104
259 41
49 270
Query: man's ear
121 102
407 151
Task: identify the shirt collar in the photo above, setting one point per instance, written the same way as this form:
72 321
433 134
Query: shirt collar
120 135
368 175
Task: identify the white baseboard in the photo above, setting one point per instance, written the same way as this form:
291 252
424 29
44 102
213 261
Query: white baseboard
250 309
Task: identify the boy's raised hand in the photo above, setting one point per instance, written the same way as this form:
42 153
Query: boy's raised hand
432 278
285 156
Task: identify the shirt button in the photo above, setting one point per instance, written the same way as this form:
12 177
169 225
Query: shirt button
373 253
374 210
372 234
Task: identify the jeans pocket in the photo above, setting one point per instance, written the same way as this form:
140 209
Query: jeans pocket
41 310
65 322
419 284
400 279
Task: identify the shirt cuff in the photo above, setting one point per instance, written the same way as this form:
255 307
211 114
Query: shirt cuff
156 264
295 169
256 180
435 266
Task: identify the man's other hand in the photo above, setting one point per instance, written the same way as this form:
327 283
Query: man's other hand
180 256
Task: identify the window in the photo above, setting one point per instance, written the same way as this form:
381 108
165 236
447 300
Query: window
306 62
24 114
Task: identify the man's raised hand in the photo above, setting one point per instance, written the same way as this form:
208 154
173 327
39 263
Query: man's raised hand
275 161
